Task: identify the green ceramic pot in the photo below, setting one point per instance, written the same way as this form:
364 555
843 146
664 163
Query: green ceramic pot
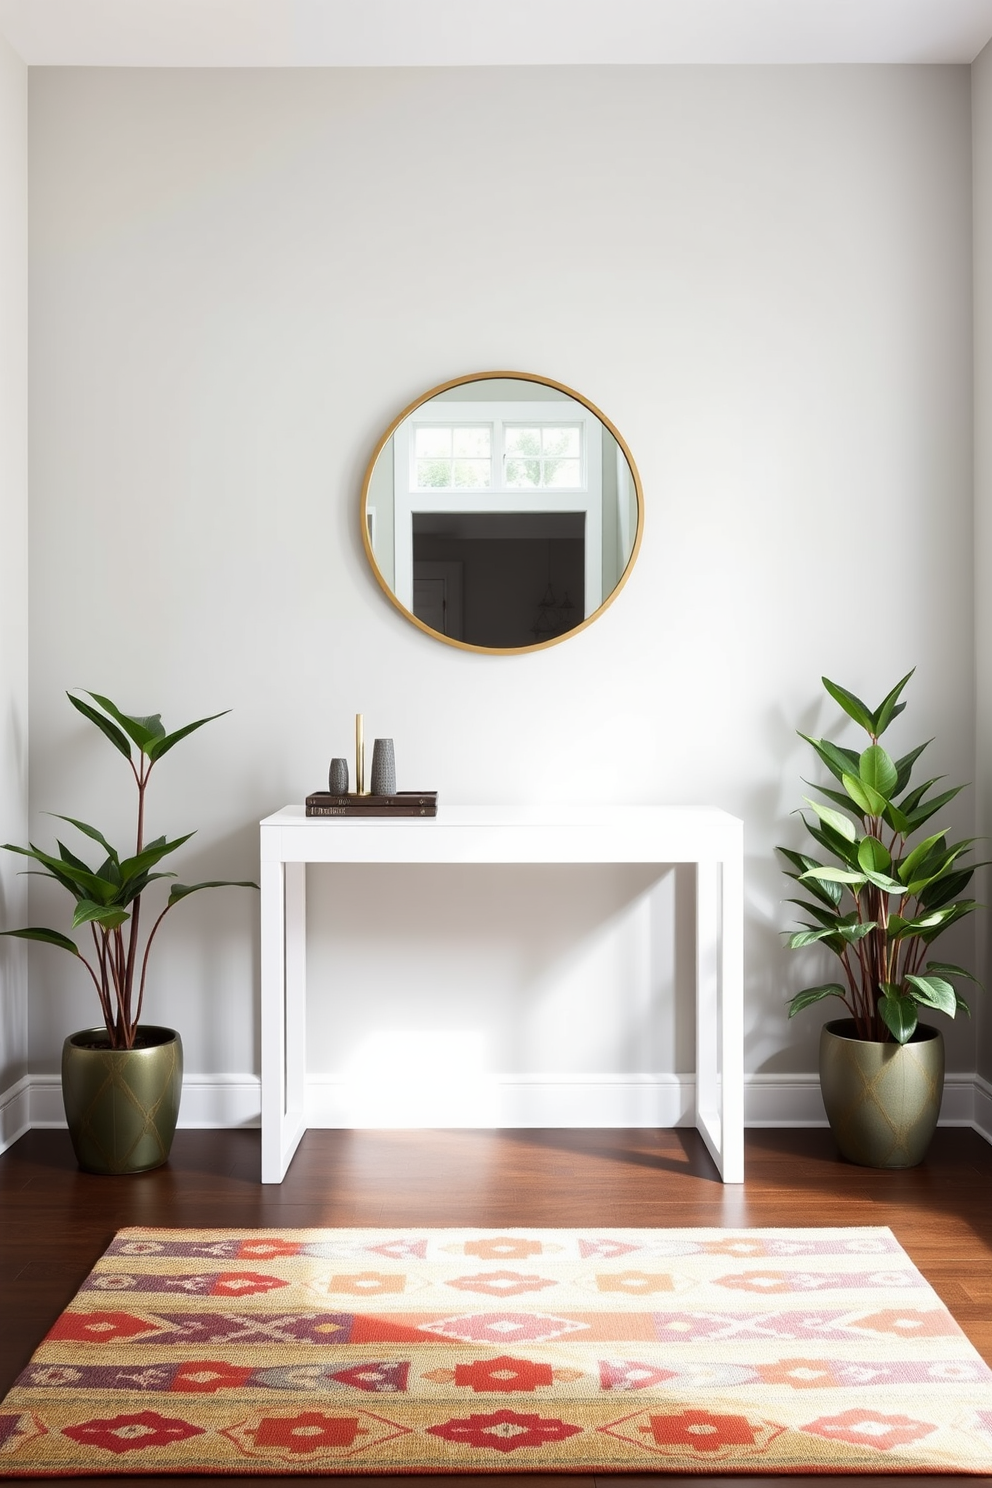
122 1104
882 1100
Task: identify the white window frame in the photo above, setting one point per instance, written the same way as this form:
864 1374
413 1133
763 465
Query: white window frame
586 499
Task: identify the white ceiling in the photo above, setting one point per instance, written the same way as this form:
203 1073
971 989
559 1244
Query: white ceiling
364 33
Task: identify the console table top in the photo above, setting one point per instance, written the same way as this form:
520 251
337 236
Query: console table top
508 833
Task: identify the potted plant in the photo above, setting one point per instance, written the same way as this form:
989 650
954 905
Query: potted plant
121 1083
878 903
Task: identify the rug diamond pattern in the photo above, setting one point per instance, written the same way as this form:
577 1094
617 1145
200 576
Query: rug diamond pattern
458 1351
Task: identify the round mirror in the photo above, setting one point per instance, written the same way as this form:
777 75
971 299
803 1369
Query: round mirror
501 512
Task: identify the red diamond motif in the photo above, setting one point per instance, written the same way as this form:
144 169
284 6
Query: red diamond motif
504 1431
99 1327
503 1375
132 1433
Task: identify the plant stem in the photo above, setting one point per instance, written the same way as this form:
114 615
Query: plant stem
144 959
132 945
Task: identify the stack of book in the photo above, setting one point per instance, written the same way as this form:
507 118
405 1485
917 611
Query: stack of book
403 803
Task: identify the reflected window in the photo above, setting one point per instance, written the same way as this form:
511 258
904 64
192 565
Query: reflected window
452 458
545 456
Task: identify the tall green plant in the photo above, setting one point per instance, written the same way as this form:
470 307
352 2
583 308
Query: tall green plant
884 902
108 898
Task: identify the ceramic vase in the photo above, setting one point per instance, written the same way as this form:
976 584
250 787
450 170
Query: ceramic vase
122 1105
882 1100
383 781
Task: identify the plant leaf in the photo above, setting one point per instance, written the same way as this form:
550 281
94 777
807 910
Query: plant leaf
917 793
873 855
827 917
854 933
938 866
833 842
877 772
887 709
885 883
835 820
152 854
907 868
809 995
60 878
88 831
952 912
895 818
949 969
899 1016
829 894
836 759
180 891
109 917
70 860
927 809
867 798
163 745
82 884
853 706
834 875
899 928
142 730
934 992
103 724
941 891
839 798
49 937
799 938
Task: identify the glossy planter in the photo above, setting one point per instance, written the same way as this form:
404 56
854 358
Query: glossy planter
882 1100
122 1104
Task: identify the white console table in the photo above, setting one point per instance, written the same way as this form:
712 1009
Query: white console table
702 835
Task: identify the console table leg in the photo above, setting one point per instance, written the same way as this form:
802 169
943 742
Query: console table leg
273 1019
283 1021
709 1112
719 1015
732 1019
296 1007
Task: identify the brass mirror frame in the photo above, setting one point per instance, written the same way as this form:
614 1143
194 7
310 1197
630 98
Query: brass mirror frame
443 387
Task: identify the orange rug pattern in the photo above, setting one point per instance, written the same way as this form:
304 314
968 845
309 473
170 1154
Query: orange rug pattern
434 1351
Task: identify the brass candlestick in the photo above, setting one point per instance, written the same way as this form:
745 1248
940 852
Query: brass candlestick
360 754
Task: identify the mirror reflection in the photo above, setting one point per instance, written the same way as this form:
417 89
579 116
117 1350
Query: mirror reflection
501 512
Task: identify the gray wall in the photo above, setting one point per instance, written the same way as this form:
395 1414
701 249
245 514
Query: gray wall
13 570
237 278
982 166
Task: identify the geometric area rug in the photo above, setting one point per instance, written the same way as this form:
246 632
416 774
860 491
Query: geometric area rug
323 1351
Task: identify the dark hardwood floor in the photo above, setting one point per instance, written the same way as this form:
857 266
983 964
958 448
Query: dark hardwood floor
56 1221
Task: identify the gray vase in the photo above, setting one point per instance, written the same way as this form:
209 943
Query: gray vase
337 777
383 782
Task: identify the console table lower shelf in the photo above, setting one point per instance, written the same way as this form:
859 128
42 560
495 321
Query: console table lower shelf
466 835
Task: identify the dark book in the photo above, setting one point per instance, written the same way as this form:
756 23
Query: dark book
379 811
403 803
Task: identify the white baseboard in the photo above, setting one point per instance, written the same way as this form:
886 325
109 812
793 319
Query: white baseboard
983 1107
15 1112
497 1101
783 1100
542 1100
208 1101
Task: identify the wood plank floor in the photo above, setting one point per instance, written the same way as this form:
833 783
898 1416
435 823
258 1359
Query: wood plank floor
56 1221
